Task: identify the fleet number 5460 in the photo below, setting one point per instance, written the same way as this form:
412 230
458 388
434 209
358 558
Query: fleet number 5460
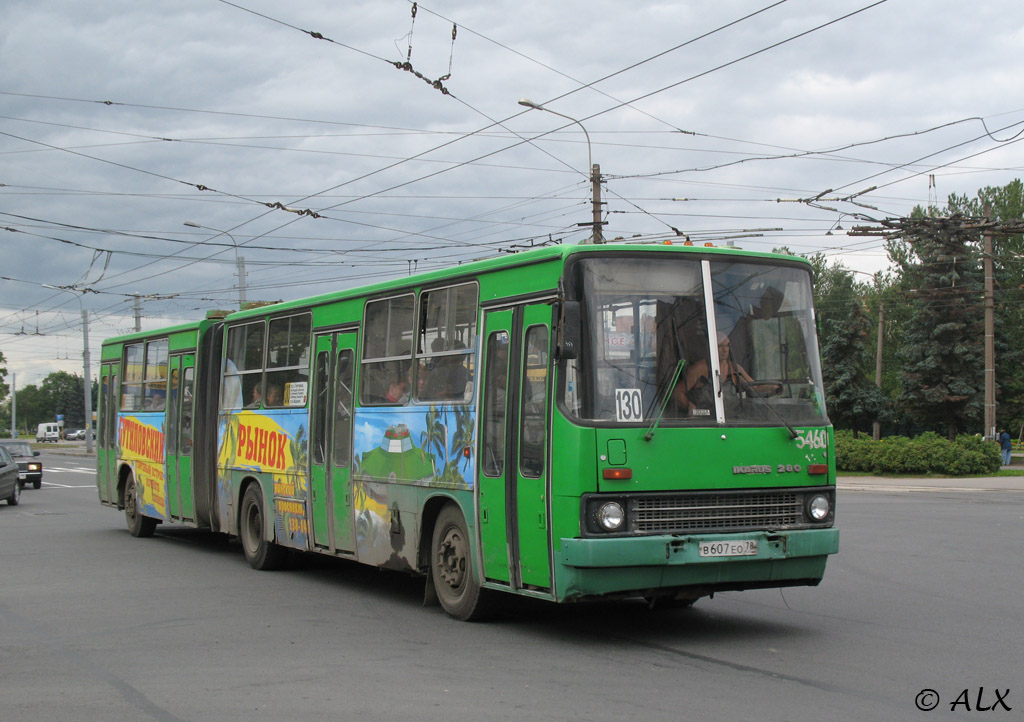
812 439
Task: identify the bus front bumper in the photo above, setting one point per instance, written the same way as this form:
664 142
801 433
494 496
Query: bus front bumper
671 550
598 567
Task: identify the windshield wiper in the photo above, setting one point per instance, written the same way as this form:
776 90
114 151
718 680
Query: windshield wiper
749 388
664 401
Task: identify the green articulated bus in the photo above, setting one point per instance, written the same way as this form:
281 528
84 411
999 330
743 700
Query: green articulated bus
568 423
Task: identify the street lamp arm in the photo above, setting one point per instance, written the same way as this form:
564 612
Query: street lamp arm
593 171
239 261
527 103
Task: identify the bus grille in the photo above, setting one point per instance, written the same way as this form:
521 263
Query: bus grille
715 512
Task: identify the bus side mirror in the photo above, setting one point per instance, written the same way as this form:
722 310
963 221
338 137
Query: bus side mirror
569 330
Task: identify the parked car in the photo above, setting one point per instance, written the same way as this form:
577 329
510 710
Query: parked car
75 434
10 486
29 467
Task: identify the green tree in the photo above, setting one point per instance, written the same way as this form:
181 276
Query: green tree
854 402
847 345
66 396
4 388
942 354
1004 204
33 408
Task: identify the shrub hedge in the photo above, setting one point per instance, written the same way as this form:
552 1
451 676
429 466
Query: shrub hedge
927 453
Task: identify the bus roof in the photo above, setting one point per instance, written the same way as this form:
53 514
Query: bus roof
507 261
165 331
523 258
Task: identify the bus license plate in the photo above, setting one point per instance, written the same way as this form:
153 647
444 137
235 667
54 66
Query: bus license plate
738 548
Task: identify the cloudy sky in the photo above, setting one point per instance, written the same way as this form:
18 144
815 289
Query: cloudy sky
291 135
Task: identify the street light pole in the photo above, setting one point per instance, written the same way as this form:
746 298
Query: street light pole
595 170
239 260
86 362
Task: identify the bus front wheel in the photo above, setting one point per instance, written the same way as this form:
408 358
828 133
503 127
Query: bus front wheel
139 525
260 553
451 567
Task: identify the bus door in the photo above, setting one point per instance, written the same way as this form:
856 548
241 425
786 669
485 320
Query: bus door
171 436
331 441
178 435
106 446
514 447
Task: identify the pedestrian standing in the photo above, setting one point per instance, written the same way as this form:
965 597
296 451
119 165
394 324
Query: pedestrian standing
1005 445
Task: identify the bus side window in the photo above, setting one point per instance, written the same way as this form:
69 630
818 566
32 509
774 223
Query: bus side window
322 374
495 390
111 417
288 343
243 365
343 409
446 347
387 351
155 381
131 388
186 412
534 403
171 425
104 411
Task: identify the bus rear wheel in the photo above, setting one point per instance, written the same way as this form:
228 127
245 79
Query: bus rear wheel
451 568
139 525
261 554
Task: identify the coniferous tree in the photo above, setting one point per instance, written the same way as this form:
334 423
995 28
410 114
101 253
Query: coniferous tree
943 343
853 400
846 345
1004 204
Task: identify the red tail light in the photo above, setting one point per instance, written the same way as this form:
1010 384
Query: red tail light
617 474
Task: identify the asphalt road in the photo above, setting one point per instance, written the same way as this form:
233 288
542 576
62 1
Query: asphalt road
927 593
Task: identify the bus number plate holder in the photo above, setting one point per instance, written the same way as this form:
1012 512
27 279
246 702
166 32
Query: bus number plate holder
723 548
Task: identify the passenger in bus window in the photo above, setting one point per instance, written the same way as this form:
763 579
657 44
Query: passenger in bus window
256 396
398 389
273 395
698 391
423 378
449 377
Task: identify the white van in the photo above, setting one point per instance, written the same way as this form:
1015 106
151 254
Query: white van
48 432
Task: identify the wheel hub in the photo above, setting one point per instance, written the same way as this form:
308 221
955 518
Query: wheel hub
451 559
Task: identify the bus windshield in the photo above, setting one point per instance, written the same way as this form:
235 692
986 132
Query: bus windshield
648 351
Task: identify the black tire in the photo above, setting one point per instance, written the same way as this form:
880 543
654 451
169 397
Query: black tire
451 568
37 484
139 525
261 554
15 496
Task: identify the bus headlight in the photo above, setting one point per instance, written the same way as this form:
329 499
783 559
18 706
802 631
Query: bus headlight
611 516
818 508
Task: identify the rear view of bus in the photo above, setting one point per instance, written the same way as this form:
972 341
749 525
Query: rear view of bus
690 411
